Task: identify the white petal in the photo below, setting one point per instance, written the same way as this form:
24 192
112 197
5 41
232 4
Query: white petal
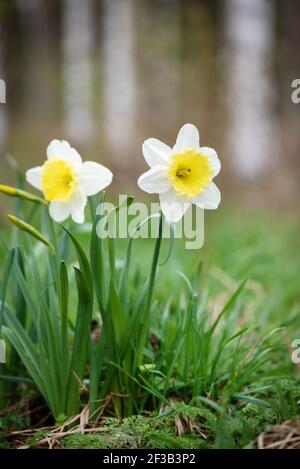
77 203
188 137
155 180
209 198
156 152
93 177
34 177
173 206
213 159
61 149
57 148
59 211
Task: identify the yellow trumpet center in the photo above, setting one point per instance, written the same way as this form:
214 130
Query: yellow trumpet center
59 180
190 172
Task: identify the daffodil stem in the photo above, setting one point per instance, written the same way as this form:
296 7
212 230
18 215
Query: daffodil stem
154 264
145 323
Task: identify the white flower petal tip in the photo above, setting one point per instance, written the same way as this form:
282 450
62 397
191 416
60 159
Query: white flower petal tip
66 181
210 198
77 204
61 149
155 181
188 137
172 206
34 177
59 211
93 177
156 152
174 212
183 175
213 159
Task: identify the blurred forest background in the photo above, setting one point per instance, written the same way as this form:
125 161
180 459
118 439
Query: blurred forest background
107 74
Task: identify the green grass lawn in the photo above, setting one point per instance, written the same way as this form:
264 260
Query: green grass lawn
208 375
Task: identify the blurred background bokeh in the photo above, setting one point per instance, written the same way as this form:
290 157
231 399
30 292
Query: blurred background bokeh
107 74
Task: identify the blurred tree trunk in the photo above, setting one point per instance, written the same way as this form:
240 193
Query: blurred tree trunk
77 41
252 128
160 68
289 69
35 62
3 108
200 74
119 77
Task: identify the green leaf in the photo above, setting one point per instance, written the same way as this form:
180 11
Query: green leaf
228 305
81 341
83 260
6 275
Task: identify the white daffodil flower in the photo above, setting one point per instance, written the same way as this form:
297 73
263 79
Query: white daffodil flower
66 181
181 175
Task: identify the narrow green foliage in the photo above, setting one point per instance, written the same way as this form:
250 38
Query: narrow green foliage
81 342
22 225
129 327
